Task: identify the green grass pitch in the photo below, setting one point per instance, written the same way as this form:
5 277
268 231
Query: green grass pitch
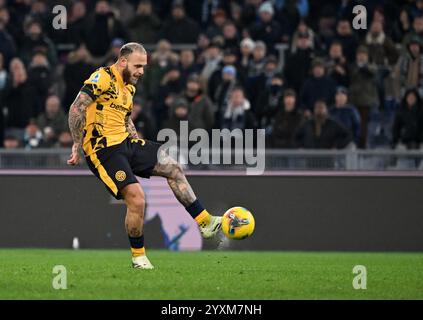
105 274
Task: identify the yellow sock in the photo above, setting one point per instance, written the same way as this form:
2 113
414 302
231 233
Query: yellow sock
136 252
203 218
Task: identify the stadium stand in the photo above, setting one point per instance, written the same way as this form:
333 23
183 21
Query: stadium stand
348 87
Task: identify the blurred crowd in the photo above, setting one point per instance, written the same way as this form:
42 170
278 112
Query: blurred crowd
296 68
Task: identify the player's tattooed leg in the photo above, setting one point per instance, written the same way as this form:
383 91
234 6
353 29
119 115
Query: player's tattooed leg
169 168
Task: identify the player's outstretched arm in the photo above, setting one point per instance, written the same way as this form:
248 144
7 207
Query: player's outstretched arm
130 126
76 122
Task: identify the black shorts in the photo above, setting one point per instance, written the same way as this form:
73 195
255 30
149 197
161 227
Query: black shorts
116 166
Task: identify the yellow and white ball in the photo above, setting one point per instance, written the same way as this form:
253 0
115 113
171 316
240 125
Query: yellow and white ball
238 223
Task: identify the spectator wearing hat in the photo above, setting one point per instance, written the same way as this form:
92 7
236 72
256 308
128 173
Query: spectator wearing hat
112 55
267 29
298 64
346 113
222 94
246 48
287 122
322 132
145 25
363 90
317 87
409 69
179 28
230 58
201 109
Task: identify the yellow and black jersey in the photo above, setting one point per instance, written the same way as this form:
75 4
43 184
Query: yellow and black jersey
105 117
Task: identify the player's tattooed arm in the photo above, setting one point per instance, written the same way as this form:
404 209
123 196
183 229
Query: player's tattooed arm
76 122
131 128
77 116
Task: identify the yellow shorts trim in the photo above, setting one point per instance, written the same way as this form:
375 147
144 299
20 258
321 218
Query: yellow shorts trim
103 173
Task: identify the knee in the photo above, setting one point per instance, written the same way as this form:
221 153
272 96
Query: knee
137 204
135 200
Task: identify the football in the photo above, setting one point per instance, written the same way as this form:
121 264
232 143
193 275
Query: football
238 223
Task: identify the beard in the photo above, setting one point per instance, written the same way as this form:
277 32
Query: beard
127 77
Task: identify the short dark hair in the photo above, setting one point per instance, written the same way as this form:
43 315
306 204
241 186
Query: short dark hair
336 43
289 93
238 88
130 47
320 101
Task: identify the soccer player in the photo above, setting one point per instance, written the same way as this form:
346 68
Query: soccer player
100 123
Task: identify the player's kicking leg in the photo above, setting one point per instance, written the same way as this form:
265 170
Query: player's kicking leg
173 172
134 221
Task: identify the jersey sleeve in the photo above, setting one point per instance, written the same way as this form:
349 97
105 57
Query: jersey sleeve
96 84
131 89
